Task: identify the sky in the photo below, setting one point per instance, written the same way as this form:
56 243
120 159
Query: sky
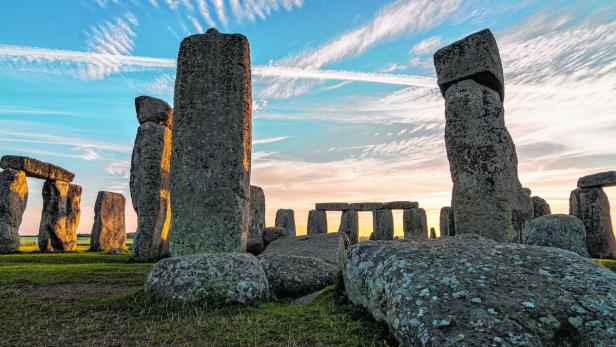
345 102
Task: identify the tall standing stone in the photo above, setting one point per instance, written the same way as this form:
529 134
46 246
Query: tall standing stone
60 216
109 228
415 224
592 207
445 224
255 244
285 218
382 225
13 200
212 143
488 197
317 222
349 224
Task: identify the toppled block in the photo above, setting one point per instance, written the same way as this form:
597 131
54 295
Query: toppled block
328 247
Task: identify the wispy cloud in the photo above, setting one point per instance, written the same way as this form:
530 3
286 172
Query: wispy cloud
269 140
428 45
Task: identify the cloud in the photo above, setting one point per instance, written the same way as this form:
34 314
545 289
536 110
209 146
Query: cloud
269 140
428 45
121 167
196 24
205 13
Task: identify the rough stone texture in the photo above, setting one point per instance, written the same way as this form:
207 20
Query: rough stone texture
36 168
255 244
257 210
399 205
432 233
212 143
475 57
601 179
295 275
349 225
445 224
285 218
470 291
327 247
331 206
214 279
415 224
317 222
149 190
13 200
560 231
60 216
365 206
540 207
154 110
109 229
592 207
527 191
382 225
488 198
271 234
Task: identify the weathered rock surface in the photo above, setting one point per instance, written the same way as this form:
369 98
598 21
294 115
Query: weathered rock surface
349 225
327 247
149 190
317 222
382 225
540 207
474 57
153 110
432 233
365 206
60 216
271 234
13 200
415 224
109 229
255 244
331 206
560 231
445 224
257 210
399 205
296 275
528 191
36 168
592 207
215 279
468 290
285 218
601 179
212 143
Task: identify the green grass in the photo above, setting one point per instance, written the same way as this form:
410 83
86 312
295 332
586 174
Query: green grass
92 298
608 263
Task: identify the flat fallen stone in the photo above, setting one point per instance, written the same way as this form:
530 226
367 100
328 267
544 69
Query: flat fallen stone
36 168
349 225
558 230
154 110
327 247
331 206
13 200
601 179
109 228
317 222
475 57
399 205
60 216
382 225
271 234
365 206
592 207
540 207
290 275
285 218
415 224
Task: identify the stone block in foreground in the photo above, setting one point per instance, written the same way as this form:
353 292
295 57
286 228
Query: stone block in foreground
109 228
327 247
13 200
290 275
558 230
601 179
36 168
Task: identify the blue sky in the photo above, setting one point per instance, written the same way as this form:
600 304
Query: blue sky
345 105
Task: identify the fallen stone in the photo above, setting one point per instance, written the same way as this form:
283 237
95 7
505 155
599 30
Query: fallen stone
540 207
467 290
149 190
382 225
327 247
365 206
317 222
212 144
290 275
60 216
592 207
399 205
475 57
13 200
213 279
415 224
36 168
349 225
331 206
153 110
601 179
432 233
271 234
560 231
285 218
109 229
445 224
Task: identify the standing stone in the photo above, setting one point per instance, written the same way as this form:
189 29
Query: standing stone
382 225
559 230
285 218
592 207
349 224
540 207
149 190
60 216
212 143
13 200
109 229
432 233
415 224
445 224
256 224
317 222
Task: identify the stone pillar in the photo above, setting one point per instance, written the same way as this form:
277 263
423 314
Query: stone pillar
149 178
488 197
317 222
285 218
349 224
60 216
592 207
445 224
256 224
13 200
212 143
540 207
415 224
382 225
432 233
109 228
